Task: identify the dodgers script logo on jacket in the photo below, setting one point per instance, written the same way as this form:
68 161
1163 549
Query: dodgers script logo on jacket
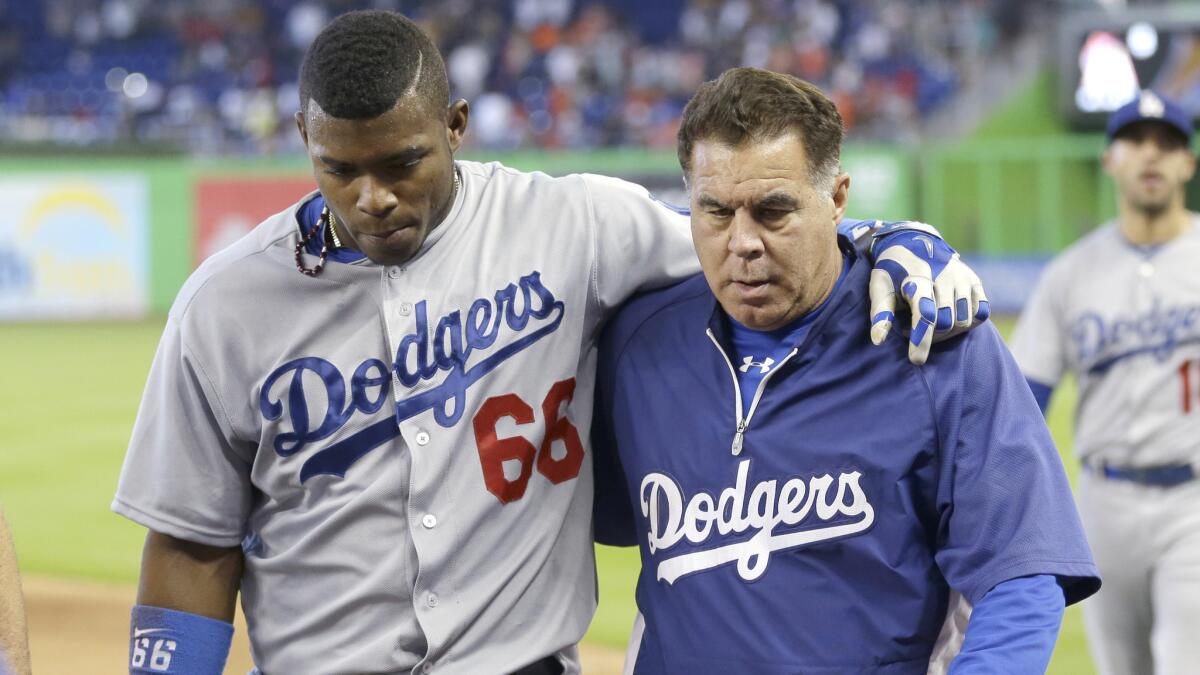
766 507
493 330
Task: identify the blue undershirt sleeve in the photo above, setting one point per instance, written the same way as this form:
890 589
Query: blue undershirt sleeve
1013 628
1041 393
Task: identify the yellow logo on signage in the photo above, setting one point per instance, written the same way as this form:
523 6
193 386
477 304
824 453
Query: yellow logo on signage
74 273
82 197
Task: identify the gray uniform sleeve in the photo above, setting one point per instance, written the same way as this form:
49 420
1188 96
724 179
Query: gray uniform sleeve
184 474
1038 341
641 243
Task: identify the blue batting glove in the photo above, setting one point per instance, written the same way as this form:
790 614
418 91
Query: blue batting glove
912 261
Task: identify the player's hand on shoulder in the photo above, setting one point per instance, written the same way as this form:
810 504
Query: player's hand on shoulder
945 296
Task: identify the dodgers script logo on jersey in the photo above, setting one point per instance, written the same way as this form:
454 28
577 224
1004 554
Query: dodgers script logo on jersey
464 346
1101 342
767 506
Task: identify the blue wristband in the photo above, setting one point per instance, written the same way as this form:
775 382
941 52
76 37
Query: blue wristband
177 643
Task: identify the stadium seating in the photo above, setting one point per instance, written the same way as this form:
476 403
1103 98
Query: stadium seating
219 77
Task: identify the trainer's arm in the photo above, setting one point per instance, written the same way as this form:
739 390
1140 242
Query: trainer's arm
14 640
190 577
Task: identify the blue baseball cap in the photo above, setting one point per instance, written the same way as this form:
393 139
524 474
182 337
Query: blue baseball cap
1151 107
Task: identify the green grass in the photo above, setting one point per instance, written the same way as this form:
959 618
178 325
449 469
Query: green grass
67 403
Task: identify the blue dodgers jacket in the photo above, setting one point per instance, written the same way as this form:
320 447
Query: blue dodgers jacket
823 530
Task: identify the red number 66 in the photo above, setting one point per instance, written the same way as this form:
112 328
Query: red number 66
493 451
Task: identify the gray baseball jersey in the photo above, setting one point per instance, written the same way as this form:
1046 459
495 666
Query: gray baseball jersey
1126 320
402 452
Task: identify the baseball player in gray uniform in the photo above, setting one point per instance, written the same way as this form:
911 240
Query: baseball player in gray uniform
370 416
1121 308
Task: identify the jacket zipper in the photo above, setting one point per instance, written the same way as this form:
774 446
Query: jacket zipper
744 422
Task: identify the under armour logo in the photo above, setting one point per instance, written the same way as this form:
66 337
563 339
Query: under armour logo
763 366
928 244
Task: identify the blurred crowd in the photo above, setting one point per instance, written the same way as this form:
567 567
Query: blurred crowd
219 76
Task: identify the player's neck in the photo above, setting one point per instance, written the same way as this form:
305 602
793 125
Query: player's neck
444 211
1149 228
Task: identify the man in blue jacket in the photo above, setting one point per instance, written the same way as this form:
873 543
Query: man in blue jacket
804 502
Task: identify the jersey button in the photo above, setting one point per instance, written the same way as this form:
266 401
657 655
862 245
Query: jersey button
1146 270
422 438
393 273
431 600
429 521
406 308
427 667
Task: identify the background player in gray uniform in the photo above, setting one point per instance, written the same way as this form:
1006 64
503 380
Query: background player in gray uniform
1121 308
386 454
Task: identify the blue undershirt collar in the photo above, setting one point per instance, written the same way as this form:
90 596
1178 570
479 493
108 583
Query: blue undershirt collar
758 352
306 216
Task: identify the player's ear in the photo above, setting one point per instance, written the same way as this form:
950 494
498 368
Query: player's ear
841 195
457 115
301 127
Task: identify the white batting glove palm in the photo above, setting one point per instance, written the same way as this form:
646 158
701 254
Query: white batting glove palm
944 295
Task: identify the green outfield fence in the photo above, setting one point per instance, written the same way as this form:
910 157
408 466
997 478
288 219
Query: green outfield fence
1014 197
1011 197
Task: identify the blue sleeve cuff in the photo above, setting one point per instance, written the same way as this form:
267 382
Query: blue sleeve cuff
177 643
1013 628
1041 393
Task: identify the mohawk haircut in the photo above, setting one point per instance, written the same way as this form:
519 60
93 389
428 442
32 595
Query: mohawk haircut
751 104
365 61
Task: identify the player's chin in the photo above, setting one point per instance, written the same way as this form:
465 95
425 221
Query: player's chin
393 250
1150 202
754 314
